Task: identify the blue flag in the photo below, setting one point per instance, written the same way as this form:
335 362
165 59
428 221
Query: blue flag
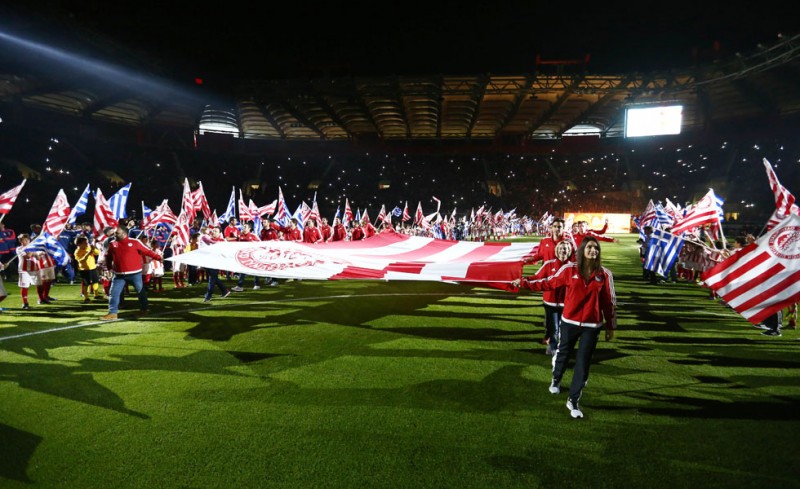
663 251
119 201
45 242
80 206
397 212
230 211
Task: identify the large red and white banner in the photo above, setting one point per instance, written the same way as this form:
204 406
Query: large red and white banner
385 256
763 277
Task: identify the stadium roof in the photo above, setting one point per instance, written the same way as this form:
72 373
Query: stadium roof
115 85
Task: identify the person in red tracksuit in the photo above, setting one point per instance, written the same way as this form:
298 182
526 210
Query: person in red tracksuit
547 246
589 305
311 233
339 232
553 300
124 257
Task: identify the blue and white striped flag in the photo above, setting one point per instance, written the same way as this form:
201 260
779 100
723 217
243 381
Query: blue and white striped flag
80 206
230 211
119 201
45 242
298 214
663 219
663 251
145 212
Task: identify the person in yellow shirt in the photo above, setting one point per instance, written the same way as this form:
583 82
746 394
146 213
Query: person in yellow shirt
86 256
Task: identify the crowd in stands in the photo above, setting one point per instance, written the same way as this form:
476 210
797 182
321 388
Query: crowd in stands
621 179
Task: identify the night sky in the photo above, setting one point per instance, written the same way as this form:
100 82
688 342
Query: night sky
228 41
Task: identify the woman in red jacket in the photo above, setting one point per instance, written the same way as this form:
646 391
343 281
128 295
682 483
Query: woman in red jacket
553 300
589 305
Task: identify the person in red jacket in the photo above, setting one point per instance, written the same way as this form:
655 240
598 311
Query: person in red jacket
357 234
292 232
547 246
553 300
124 256
339 232
589 305
581 229
311 233
325 229
369 229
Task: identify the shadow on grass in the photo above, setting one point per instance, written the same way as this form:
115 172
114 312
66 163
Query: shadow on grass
735 362
692 407
16 449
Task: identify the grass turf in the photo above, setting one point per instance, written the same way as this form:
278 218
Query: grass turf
391 385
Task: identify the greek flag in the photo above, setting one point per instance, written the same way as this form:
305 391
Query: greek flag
298 214
118 201
80 206
663 219
146 211
45 242
662 252
230 211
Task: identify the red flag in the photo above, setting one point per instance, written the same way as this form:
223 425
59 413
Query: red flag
419 216
763 277
282 212
7 199
103 215
784 200
181 229
406 215
314 209
200 201
382 215
348 212
58 215
161 214
706 211
268 209
244 209
187 200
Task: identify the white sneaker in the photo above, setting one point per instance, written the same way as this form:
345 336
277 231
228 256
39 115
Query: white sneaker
237 289
574 410
256 287
554 388
274 283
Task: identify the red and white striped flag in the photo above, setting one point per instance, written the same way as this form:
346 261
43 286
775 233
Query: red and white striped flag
8 198
419 216
103 216
348 213
406 215
708 210
268 209
58 215
201 202
181 229
784 200
161 214
187 199
282 212
244 209
315 215
763 277
385 256
382 215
